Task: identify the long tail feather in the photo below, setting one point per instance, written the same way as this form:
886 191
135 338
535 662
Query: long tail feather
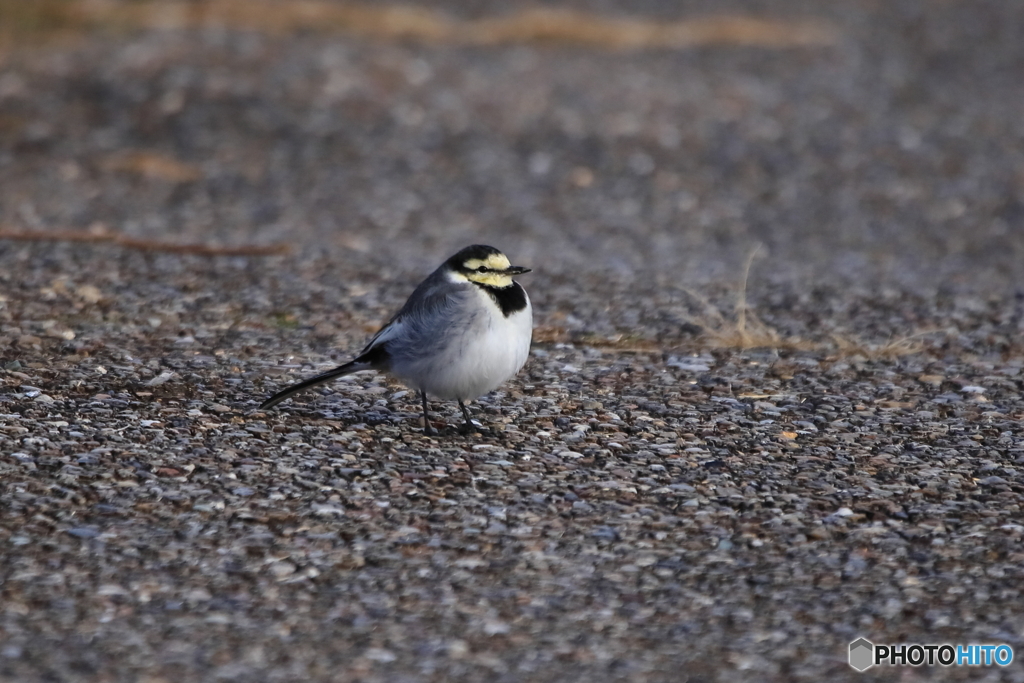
340 371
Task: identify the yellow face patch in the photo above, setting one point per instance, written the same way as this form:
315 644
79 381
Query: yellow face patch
486 277
492 262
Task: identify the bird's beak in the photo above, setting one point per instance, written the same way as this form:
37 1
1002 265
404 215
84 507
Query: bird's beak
515 270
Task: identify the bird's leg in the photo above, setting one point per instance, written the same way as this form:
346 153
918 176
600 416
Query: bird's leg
469 426
426 418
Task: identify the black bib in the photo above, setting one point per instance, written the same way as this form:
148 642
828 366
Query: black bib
509 299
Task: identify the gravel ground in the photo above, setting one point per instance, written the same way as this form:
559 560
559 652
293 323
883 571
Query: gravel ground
651 500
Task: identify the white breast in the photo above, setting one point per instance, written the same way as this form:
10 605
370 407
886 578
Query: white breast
479 358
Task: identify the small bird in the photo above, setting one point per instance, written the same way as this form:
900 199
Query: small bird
464 330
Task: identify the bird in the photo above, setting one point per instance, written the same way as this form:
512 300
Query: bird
463 332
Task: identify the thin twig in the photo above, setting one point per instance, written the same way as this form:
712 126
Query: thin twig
142 244
410 21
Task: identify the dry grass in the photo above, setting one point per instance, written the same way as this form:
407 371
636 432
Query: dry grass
890 350
550 334
741 329
23 20
562 26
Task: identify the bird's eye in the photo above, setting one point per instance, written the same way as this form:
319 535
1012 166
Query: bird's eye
481 269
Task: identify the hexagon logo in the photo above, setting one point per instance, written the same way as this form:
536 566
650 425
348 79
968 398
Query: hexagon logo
862 653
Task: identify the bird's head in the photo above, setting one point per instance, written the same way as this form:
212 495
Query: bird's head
483 265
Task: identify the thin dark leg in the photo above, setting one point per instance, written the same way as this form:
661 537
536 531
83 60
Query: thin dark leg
469 427
426 418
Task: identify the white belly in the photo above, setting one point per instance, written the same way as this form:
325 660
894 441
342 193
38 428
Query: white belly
479 359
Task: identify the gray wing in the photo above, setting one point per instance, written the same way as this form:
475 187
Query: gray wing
429 310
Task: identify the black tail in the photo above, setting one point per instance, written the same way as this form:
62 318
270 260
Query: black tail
341 371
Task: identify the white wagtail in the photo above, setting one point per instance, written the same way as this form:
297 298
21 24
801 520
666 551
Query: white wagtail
464 331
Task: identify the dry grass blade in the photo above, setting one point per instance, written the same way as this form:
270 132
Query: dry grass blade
405 22
153 166
741 302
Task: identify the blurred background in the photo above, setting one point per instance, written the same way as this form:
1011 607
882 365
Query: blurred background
646 145
203 201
